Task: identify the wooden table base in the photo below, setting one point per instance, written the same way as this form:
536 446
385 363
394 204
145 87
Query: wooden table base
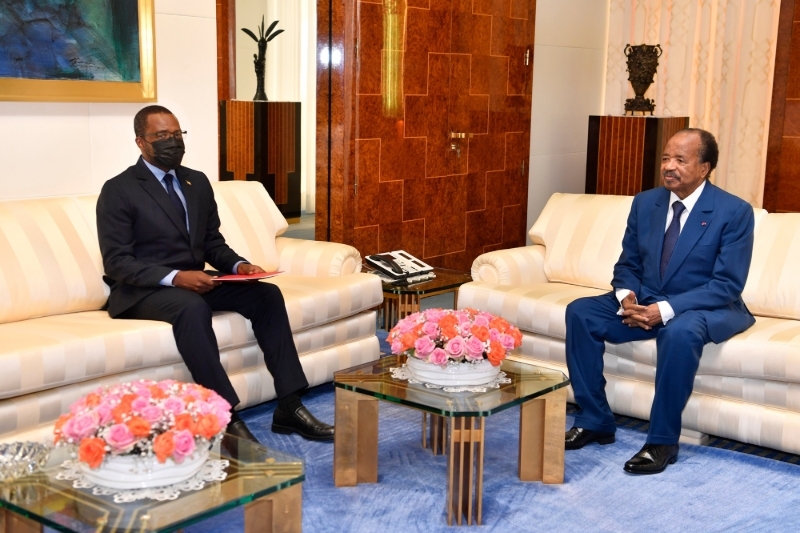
541 448
280 512
355 441
11 522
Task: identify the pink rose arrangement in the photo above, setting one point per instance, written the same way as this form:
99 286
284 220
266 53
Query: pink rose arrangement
438 336
165 419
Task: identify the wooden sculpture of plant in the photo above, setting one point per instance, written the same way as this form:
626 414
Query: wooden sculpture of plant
259 60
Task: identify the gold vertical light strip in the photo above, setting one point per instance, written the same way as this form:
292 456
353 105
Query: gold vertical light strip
394 15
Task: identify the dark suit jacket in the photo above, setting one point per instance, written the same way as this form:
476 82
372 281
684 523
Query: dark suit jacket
709 265
142 236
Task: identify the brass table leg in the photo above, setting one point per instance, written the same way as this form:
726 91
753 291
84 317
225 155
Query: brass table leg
465 470
438 433
355 441
280 512
14 523
541 437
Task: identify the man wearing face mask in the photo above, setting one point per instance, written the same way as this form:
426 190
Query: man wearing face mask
158 225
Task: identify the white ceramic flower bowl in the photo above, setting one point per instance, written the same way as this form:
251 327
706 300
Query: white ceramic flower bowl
454 374
132 472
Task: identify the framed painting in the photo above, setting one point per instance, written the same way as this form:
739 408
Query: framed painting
77 50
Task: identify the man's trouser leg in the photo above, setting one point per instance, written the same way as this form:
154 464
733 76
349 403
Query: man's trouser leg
680 345
190 317
590 322
263 305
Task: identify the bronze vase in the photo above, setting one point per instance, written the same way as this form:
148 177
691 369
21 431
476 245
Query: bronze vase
642 66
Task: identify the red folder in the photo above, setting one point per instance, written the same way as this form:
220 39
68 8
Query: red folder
247 277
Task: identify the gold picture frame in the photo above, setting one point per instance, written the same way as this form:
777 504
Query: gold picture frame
35 90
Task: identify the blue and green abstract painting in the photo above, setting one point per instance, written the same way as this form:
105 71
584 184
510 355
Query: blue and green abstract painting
95 40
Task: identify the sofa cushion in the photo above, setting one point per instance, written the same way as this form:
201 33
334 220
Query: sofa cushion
249 222
50 352
773 286
50 261
536 308
582 234
311 302
770 350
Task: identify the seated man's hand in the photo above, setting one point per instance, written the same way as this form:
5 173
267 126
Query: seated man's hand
247 268
195 281
641 316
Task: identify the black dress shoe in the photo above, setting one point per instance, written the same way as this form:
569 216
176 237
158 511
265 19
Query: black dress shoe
577 438
239 429
301 422
652 459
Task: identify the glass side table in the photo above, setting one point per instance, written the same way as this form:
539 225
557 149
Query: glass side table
266 482
400 301
540 392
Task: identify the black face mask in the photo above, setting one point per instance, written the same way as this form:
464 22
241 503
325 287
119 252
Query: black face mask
168 152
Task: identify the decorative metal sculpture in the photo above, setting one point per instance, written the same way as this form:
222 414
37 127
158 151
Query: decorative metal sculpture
642 66
260 60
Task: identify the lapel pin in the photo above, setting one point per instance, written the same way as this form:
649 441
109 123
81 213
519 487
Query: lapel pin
189 183
702 223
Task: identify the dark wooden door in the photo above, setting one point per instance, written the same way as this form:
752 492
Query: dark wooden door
434 114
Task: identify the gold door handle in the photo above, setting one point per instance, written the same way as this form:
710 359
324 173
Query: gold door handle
454 135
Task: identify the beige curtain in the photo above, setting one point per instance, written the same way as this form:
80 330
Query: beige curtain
717 68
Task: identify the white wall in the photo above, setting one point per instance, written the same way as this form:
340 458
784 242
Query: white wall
568 69
51 149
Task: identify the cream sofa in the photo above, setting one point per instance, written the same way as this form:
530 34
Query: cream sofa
747 388
56 343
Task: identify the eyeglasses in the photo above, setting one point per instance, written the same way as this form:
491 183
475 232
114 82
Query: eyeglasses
161 135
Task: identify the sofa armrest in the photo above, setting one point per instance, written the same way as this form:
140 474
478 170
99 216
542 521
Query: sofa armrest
316 258
514 266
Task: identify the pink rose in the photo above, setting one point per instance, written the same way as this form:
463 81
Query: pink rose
165 384
474 349
414 318
119 437
481 320
202 407
462 316
104 414
151 413
465 328
438 357
223 415
140 403
507 341
430 329
434 315
455 347
184 445
142 391
406 325
397 346
494 335
174 405
80 426
424 346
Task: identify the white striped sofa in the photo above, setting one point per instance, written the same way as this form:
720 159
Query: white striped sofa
747 388
56 344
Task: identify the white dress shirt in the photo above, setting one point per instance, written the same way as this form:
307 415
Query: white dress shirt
667 313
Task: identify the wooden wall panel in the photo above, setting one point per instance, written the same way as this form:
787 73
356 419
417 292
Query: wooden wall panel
782 178
624 152
404 183
226 49
260 141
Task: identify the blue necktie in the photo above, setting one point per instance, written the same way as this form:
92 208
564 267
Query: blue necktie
671 236
174 196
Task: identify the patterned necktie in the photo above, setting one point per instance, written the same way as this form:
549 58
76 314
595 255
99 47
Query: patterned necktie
174 196
671 236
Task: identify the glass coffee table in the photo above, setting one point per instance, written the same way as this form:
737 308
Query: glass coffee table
400 300
540 392
266 482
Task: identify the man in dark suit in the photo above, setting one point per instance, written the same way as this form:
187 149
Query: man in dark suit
685 257
158 225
